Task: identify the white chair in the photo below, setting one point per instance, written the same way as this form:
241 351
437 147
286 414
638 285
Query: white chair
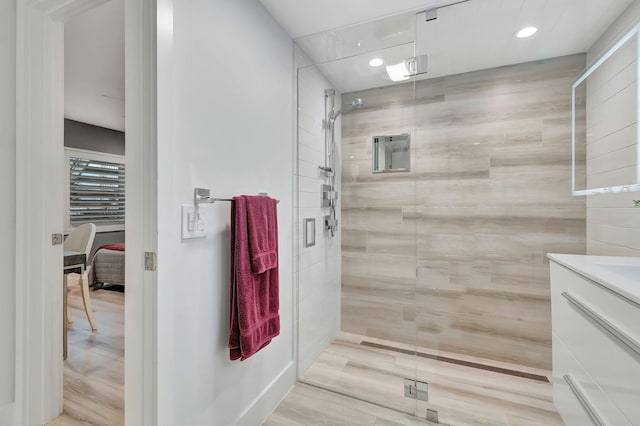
81 240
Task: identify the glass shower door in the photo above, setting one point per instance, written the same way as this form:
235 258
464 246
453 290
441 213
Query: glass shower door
493 197
356 290
379 242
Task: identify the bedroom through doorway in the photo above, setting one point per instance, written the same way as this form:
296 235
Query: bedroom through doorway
94 215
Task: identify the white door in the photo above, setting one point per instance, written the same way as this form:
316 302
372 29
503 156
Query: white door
39 214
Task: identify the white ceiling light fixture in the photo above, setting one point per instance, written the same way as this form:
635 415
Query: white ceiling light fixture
376 62
526 32
398 72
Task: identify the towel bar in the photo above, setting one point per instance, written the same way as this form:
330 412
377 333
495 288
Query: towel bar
201 196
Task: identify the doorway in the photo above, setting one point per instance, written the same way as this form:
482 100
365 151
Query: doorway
95 183
40 184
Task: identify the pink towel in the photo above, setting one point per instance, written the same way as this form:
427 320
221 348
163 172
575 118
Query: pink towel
254 296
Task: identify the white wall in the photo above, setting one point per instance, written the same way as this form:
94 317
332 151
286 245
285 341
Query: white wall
318 267
613 224
7 207
225 113
94 66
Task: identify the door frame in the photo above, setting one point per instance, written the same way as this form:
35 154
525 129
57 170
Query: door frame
39 146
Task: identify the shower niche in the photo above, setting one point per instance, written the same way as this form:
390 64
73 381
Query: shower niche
391 153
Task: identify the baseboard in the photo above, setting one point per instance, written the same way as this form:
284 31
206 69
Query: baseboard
269 399
6 414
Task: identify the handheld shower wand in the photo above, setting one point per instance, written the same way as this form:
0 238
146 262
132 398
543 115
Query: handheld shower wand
330 195
357 104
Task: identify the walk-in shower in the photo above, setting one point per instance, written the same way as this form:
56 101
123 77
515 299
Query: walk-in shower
428 291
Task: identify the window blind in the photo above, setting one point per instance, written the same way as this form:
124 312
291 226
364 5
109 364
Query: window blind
96 191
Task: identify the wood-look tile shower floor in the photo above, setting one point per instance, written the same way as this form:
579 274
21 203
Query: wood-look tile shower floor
469 392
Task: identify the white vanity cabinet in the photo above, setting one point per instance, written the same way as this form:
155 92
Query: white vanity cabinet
595 304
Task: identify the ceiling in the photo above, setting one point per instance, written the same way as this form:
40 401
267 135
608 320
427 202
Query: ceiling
94 66
478 34
303 17
465 37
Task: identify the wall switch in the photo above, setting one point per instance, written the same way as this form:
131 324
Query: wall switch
193 223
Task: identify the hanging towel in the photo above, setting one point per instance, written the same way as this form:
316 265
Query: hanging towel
255 299
263 233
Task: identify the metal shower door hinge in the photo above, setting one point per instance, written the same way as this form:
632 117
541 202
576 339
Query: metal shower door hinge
149 261
430 15
416 390
432 416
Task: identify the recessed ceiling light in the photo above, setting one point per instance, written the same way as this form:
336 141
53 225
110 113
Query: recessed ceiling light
526 32
376 62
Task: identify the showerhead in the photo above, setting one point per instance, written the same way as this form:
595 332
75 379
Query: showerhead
357 104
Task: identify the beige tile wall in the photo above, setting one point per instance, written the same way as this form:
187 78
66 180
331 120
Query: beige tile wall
452 254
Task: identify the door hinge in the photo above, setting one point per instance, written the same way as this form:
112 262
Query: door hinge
57 239
416 390
432 416
149 261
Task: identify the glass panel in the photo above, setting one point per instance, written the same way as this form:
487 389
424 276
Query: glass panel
364 39
357 288
493 170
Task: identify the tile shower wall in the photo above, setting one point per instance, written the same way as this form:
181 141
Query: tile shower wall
452 254
318 266
613 224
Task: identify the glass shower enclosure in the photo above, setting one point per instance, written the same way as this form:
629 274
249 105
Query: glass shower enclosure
446 178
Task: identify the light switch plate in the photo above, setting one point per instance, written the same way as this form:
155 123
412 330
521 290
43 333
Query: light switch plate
193 223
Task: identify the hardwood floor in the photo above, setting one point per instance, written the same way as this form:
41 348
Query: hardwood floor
467 391
94 369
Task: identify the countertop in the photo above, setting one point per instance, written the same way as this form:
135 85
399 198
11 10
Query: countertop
616 273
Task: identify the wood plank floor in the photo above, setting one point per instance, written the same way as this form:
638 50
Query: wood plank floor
94 369
462 395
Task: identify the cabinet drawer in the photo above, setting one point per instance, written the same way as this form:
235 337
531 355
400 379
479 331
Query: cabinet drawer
621 311
612 364
577 397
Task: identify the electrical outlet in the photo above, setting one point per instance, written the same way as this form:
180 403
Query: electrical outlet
193 223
